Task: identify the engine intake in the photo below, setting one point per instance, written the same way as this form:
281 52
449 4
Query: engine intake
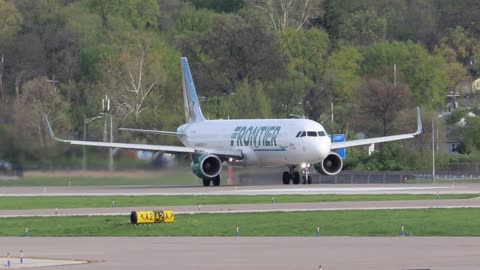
206 166
331 165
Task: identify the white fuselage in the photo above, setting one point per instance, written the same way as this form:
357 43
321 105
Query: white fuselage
264 142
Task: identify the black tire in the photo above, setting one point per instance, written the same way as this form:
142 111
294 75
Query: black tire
206 182
304 179
216 181
309 180
296 178
286 178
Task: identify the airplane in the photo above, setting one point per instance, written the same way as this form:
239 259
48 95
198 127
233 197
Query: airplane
295 143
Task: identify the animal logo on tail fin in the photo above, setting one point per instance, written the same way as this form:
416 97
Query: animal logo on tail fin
193 112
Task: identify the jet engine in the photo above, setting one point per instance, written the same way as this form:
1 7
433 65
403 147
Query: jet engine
331 165
206 166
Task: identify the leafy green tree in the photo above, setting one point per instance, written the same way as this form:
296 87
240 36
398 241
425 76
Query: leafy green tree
196 20
419 69
10 20
218 5
249 101
471 137
345 63
364 27
458 45
287 94
233 50
305 49
141 14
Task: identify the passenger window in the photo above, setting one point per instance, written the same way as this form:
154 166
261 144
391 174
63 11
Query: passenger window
312 134
298 134
321 133
303 134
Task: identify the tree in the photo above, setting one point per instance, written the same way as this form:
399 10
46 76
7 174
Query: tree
418 69
288 13
141 14
130 79
219 6
344 63
458 45
10 20
249 101
305 50
38 97
233 50
364 27
197 20
381 100
10 24
471 137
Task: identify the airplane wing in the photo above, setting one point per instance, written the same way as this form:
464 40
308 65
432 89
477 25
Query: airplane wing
148 147
368 141
160 132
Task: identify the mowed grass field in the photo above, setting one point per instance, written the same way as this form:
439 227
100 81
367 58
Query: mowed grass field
63 202
425 222
105 179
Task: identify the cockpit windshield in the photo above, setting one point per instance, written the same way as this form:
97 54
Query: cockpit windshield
311 133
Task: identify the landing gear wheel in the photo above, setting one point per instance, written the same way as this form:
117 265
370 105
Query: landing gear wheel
309 180
296 178
304 180
216 181
286 178
206 182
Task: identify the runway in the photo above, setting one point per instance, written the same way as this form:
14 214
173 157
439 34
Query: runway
465 188
277 253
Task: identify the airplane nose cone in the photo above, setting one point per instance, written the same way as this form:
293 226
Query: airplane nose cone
323 148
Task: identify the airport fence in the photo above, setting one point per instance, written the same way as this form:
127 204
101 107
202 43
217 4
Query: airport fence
273 176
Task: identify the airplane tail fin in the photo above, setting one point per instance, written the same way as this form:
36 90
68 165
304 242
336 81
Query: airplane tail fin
193 112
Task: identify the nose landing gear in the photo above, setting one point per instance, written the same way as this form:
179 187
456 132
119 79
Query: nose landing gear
306 178
295 175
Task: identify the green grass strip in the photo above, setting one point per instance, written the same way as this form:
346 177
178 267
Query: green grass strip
425 222
61 181
63 202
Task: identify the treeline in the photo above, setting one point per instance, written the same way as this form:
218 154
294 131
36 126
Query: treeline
249 59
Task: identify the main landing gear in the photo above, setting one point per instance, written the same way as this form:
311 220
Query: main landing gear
215 181
295 175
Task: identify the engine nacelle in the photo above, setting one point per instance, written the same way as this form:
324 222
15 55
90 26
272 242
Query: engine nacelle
206 166
331 165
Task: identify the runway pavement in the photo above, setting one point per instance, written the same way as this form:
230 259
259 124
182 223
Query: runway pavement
243 190
277 253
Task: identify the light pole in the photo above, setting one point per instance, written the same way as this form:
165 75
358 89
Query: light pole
106 110
85 123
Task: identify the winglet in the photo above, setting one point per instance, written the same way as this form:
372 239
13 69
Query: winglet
419 123
49 128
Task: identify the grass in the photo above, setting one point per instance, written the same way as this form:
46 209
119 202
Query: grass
63 202
425 222
172 178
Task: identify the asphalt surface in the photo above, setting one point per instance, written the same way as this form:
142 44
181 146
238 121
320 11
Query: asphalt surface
278 253
243 190
439 253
